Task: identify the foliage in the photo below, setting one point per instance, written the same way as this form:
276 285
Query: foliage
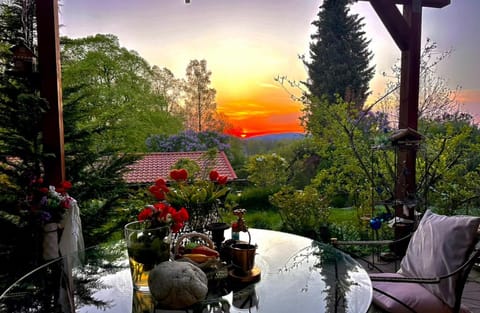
447 162
302 211
236 156
114 87
267 170
303 161
263 219
188 140
253 198
345 138
200 197
266 145
21 159
339 56
18 22
435 96
200 103
167 86
192 193
449 165
189 165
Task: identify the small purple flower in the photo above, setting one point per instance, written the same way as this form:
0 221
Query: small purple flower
45 216
44 201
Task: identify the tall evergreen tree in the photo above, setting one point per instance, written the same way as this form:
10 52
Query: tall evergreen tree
339 55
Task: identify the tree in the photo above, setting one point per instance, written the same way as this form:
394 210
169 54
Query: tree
435 97
267 170
339 55
116 87
18 22
166 85
21 148
200 103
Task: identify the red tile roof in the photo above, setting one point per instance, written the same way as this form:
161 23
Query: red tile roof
158 164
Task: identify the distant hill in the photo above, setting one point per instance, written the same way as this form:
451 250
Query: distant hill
276 137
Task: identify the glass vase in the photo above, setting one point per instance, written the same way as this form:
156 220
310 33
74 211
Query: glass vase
146 248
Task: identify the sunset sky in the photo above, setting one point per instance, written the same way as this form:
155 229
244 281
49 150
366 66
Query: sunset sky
247 43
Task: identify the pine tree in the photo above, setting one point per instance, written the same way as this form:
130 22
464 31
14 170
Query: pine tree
339 55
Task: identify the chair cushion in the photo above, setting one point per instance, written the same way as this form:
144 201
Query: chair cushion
439 246
412 294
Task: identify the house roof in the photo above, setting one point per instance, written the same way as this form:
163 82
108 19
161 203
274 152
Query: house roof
158 164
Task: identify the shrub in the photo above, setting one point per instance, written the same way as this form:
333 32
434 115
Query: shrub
253 198
267 170
303 212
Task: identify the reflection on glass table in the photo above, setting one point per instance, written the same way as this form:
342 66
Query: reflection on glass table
297 274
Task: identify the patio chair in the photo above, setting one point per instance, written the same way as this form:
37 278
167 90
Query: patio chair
434 270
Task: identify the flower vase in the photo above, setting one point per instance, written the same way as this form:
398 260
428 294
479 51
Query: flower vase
50 242
201 215
146 248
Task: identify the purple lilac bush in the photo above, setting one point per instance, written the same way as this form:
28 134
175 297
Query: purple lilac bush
188 141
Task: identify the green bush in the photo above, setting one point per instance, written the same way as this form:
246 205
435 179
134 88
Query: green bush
253 198
303 212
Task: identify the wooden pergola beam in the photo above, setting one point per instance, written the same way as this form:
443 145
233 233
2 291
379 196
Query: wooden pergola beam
425 3
393 21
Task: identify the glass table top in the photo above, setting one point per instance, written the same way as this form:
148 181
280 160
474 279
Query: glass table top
297 274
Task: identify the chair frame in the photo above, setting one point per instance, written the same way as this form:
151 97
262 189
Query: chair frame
463 271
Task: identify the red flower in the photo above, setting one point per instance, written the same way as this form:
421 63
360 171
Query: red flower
160 182
176 227
222 180
179 175
66 185
43 190
162 213
180 216
157 192
213 175
66 203
145 214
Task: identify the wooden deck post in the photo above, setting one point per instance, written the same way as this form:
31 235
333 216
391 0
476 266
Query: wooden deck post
51 88
406 30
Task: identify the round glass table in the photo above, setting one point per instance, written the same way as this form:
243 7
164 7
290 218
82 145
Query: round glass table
297 275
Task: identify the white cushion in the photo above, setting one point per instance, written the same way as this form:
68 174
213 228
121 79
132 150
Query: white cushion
439 246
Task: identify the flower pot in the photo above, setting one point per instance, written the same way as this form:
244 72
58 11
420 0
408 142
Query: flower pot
146 247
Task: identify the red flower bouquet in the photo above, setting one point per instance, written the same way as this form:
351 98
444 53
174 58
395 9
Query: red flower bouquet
161 214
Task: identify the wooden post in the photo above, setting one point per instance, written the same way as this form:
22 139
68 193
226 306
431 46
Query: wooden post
405 192
51 88
406 31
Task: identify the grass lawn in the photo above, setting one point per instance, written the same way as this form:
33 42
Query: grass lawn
270 219
343 216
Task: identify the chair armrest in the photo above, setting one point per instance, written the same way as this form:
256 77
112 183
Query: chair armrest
417 280
336 242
